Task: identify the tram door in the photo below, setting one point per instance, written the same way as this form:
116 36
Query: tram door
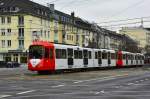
109 58
70 57
99 58
85 57
126 59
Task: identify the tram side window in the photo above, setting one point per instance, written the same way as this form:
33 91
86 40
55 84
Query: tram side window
46 53
58 53
99 54
104 55
124 56
109 55
90 55
70 53
76 55
132 57
51 53
64 54
139 57
136 57
96 55
61 54
80 55
85 53
113 56
142 57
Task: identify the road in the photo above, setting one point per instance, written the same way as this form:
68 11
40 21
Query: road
126 83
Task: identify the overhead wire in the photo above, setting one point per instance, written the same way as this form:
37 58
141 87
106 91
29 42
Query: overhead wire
129 7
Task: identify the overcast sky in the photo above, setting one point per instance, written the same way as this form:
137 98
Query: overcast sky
102 10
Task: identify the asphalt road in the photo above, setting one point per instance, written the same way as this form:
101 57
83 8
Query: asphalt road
126 83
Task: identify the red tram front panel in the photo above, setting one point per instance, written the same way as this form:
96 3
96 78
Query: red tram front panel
119 60
41 57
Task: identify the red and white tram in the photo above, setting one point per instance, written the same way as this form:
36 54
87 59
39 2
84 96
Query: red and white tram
46 56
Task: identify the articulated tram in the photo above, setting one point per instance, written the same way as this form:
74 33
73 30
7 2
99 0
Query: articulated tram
46 56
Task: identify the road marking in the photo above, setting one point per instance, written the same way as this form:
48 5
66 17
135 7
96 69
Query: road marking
102 91
58 86
97 93
4 96
141 80
129 91
136 81
118 86
77 82
25 92
101 79
130 83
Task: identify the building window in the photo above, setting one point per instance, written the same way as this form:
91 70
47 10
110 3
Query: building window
41 21
8 19
45 33
48 34
3 43
3 32
56 36
41 33
21 43
15 59
8 32
3 20
9 43
23 58
55 24
21 32
21 20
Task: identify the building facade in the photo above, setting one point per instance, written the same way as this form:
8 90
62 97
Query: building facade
139 34
23 21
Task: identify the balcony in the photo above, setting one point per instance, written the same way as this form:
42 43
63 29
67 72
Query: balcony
20 25
21 47
21 38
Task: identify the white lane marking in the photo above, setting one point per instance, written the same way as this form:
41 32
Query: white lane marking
141 80
117 86
102 91
130 83
4 96
142 84
129 91
101 79
57 86
77 82
79 85
97 93
146 79
25 92
136 81
29 96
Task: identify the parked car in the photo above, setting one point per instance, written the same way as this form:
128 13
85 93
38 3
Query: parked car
3 64
12 64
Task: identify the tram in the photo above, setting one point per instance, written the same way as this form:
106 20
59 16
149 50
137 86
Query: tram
46 56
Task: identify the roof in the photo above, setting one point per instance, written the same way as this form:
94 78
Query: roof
24 6
35 9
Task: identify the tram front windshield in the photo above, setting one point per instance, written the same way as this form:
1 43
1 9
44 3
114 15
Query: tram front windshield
36 52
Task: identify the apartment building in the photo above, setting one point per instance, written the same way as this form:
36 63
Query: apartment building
139 34
23 21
